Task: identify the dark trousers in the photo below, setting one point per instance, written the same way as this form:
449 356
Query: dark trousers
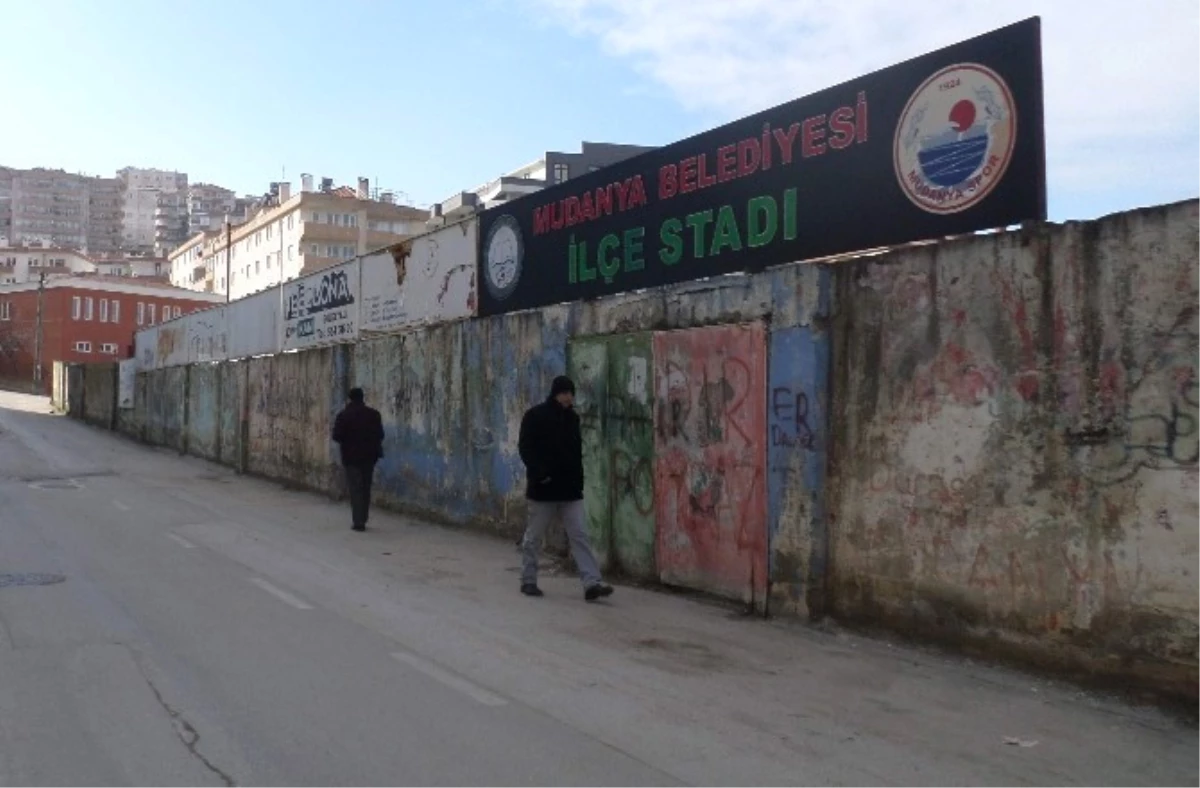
358 484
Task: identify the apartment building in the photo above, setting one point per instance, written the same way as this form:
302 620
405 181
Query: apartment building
554 167
82 319
296 235
21 264
141 190
170 222
61 209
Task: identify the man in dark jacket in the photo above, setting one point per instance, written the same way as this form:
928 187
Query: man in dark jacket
551 447
358 429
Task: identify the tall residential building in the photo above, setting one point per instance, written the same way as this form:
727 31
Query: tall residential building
295 235
105 216
141 189
170 222
61 209
6 187
208 205
554 167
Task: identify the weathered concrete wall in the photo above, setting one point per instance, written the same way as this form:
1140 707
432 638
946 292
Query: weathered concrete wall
203 410
452 398
710 460
75 390
233 415
166 407
797 415
293 399
1016 444
131 422
100 394
614 380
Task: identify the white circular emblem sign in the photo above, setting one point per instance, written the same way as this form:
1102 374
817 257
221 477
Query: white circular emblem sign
503 253
955 138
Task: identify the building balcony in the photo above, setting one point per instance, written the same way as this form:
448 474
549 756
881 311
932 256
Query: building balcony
460 206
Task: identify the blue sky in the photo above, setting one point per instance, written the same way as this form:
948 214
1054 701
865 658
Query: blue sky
430 98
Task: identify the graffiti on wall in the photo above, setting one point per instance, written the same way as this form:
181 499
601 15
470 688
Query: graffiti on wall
1157 420
430 278
322 308
710 459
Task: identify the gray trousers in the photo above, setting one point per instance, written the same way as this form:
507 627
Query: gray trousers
540 516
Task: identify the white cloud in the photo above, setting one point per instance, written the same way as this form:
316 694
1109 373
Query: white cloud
1121 79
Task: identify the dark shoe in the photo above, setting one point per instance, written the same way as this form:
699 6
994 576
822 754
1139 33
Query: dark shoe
599 590
358 528
529 589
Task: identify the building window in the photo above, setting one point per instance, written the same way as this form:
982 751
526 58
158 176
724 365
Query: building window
561 172
329 218
76 309
152 308
83 347
291 251
141 314
348 252
114 313
6 310
313 249
109 348
88 305
351 220
291 216
258 265
269 226
103 311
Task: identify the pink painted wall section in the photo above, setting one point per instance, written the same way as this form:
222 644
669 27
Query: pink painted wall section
710 460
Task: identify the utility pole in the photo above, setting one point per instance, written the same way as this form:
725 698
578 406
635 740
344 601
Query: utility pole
228 258
37 336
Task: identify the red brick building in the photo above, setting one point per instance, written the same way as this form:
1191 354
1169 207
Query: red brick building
84 319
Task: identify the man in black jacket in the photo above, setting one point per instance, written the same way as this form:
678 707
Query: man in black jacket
551 447
358 429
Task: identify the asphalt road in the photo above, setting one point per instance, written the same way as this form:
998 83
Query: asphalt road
166 622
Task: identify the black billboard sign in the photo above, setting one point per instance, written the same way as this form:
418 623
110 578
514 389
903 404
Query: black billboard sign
950 142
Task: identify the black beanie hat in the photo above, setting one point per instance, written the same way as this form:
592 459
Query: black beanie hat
561 383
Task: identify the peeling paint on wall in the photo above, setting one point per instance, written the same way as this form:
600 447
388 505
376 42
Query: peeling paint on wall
710 460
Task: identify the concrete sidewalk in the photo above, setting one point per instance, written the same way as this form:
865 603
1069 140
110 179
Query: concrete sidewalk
702 693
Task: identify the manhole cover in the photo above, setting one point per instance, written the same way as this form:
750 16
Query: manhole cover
30 579
56 484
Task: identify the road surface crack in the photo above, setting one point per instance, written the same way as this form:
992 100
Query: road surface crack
186 732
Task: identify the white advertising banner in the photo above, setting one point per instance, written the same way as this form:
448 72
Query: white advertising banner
207 335
253 325
145 348
322 308
126 378
426 279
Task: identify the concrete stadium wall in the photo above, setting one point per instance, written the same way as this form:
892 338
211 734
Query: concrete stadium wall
293 398
987 441
1015 444
203 410
100 394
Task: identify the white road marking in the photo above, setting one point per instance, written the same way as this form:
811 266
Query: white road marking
280 594
121 506
180 541
471 690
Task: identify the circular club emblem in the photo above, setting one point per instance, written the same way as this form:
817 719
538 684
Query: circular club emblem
955 138
503 252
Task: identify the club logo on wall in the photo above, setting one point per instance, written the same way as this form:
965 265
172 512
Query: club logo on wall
955 138
504 252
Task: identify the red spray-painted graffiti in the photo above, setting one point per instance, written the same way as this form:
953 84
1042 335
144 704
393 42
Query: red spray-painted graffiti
711 459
